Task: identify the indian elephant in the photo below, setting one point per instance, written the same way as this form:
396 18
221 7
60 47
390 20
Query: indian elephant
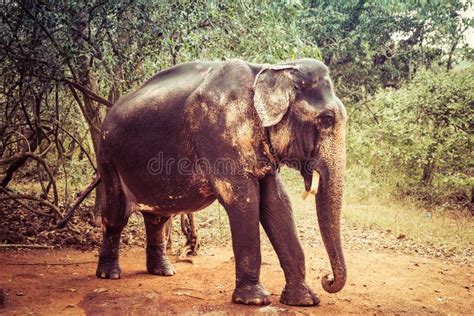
203 131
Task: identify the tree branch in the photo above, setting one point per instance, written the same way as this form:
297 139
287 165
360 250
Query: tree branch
18 197
81 198
81 106
78 143
51 38
89 93
42 162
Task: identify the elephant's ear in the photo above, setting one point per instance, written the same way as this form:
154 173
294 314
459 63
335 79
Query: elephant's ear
273 92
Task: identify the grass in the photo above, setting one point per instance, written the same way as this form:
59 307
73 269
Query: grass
422 225
371 206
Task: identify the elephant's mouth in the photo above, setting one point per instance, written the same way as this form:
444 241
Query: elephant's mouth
311 182
310 173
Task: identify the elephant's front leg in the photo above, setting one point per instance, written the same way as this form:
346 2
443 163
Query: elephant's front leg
241 201
157 261
277 220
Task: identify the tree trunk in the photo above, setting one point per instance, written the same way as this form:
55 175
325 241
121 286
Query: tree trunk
449 64
189 229
429 172
86 78
31 146
429 168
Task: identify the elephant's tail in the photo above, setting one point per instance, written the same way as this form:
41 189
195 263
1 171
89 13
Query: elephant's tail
81 198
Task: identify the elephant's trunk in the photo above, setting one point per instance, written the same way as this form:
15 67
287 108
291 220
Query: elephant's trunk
328 206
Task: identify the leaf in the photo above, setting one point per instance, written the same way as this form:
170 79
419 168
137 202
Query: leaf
101 290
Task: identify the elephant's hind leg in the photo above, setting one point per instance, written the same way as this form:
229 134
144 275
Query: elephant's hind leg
114 218
157 261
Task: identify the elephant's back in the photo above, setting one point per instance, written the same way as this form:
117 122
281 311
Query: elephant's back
163 105
156 109
166 91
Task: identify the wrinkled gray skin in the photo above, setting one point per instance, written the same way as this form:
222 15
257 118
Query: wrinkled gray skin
251 117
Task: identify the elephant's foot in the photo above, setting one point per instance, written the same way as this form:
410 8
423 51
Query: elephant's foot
298 295
157 262
108 268
251 294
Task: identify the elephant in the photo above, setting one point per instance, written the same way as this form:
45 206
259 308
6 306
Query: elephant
202 131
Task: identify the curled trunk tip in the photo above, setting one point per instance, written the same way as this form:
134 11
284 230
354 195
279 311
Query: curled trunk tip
331 285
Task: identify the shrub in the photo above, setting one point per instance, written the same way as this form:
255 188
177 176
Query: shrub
421 141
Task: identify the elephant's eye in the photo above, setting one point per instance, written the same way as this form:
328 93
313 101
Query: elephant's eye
326 120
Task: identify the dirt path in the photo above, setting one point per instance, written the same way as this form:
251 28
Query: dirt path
378 283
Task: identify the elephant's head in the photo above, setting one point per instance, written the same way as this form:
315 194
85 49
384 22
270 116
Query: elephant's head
306 127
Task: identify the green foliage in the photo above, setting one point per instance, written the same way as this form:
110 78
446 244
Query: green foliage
373 44
267 32
420 136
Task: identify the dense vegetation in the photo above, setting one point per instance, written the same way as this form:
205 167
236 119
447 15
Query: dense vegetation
418 139
403 71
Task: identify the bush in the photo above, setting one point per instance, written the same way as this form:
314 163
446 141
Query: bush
421 141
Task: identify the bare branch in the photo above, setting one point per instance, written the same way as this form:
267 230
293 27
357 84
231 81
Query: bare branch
89 93
51 38
83 110
23 246
43 163
29 208
42 263
18 197
78 143
81 198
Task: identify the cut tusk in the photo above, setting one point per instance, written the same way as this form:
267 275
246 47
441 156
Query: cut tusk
314 185
304 195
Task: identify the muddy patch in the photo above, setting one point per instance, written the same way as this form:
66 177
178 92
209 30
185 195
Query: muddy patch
150 302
